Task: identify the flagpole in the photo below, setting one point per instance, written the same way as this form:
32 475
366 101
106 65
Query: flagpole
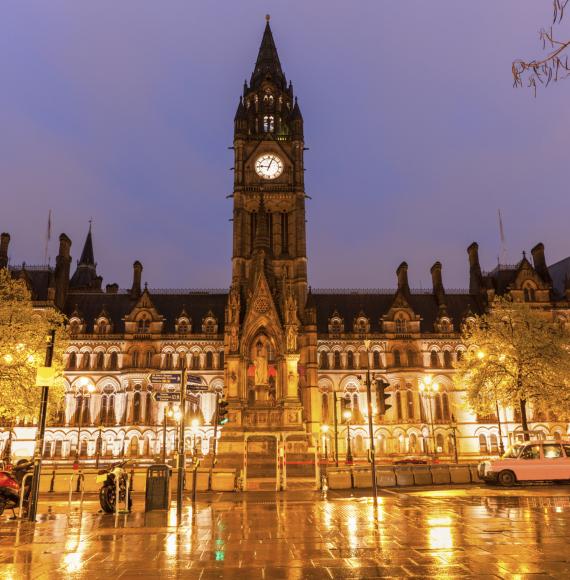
48 237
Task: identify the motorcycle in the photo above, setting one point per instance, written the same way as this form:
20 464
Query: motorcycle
108 492
11 484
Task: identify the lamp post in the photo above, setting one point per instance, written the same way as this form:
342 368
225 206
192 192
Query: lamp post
429 389
370 420
347 417
453 425
86 387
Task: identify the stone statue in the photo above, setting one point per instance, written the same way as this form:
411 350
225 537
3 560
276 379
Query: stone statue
260 363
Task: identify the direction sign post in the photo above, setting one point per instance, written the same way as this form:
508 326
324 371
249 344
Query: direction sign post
168 397
166 378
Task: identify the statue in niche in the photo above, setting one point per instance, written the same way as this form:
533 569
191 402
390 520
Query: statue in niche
260 362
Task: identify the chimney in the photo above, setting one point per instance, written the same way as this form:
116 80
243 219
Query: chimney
62 265
402 274
475 276
437 283
4 242
137 275
540 262
112 288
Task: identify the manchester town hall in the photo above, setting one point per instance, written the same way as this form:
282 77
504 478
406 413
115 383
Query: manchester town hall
287 359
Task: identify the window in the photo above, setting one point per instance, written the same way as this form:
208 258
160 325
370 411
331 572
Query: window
552 451
376 360
434 359
85 360
337 359
530 452
143 325
349 360
410 400
114 361
447 359
168 360
401 326
439 443
483 449
135 356
413 443
221 360
72 361
148 408
195 361
134 447
100 362
137 407
411 358
183 327
529 294
209 360
284 233
397 360
399 405
325 407
149 359
268 124
323 360
445 405
459 355
182 360
438 411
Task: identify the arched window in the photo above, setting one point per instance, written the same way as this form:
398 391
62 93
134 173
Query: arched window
134 447
349 360
268 124
221 360
136 407
72 361
529 294
209 360
447 359
143 325
439 443
104 415
149 354
413 443
494 443
399 405
459 355
182 360
557 435
397 359
438 411
85 360
323 360
100 362
411 358
148 408
401 325
195 361
336 359
483 448
434 359
114 361
445 405
168 360
410 401
325 407
135 356
376 360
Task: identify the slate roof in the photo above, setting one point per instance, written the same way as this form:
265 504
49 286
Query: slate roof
39 277
376 305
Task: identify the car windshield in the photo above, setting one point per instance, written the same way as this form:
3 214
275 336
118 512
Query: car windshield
512 452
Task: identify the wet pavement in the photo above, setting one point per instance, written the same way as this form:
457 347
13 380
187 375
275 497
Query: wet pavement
474 532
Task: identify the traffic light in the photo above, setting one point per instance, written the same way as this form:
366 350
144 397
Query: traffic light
222 412
383 396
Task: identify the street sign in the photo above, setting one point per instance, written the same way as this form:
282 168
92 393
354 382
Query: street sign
165 378
167 397
194 380
196 388
192 398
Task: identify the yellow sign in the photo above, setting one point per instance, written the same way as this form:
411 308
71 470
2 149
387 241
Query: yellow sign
45 377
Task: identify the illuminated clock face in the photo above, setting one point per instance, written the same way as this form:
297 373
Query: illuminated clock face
269 166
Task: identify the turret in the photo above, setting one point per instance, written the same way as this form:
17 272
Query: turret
437 283
540 262
402 274
137 276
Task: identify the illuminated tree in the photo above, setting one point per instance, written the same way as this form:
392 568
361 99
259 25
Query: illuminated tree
516 355
554 66
23 338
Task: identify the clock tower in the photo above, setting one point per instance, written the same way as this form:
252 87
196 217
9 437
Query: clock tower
264 342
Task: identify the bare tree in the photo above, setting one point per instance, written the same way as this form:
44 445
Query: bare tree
555 65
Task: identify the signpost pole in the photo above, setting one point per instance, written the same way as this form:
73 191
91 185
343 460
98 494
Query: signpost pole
181 458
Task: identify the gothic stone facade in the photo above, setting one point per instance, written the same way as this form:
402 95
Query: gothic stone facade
284 356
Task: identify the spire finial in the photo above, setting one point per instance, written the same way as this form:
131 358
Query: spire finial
267 18
90 223
524 255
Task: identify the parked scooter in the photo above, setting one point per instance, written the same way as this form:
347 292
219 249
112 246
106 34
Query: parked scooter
108 492
11 484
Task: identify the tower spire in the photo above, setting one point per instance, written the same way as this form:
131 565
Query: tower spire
85 277
268 65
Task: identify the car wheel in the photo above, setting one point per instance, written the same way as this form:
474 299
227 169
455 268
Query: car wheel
507 478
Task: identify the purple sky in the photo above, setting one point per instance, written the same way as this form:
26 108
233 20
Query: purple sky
123 112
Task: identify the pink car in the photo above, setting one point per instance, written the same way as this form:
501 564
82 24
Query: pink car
529 461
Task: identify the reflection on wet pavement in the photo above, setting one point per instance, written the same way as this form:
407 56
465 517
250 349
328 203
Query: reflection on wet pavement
424 534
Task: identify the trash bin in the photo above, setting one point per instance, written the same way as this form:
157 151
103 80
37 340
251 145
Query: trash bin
157 495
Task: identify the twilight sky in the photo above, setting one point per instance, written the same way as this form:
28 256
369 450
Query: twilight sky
123 112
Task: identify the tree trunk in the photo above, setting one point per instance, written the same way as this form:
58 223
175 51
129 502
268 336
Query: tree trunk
524 420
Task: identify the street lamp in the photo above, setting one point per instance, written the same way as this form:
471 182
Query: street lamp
429 389
85 387
347 417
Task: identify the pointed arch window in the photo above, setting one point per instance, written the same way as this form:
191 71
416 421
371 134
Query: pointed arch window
149 354
114 361
349 360
401 325
148 408
100 361
221 360
168 361
85 360
195 361
135 356
136 407
72 361
397 358
410 401
411 358
209 360
447 363
399 405
323 360
483 448
434 359
325 407
182 360
268 124
445 406
336 360
438 411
